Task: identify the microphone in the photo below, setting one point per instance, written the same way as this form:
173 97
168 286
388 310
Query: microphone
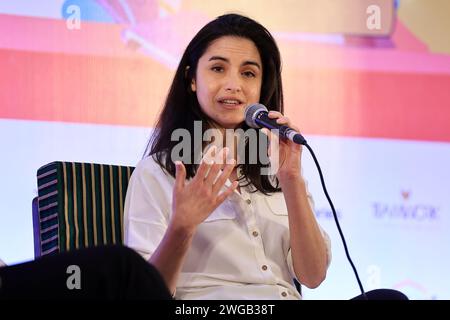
257 116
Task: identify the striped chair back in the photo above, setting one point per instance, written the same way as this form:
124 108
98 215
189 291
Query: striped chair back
79 205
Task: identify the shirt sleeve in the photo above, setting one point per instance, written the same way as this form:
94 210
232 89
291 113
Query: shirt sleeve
325 236
147 209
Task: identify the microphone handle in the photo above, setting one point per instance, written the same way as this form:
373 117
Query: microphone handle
284 131
294 136
263 120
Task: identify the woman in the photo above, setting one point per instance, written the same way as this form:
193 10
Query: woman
219 230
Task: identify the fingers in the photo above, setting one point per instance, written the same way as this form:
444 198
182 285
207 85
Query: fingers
218 162
274 141
180 175
275 114
205 164
221 198
281 119
272 136
223 177
267 132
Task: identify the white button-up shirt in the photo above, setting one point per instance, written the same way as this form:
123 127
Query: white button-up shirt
241 251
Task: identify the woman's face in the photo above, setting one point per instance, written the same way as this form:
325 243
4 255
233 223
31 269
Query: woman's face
228 78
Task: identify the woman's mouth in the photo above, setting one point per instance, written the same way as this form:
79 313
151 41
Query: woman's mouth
230 103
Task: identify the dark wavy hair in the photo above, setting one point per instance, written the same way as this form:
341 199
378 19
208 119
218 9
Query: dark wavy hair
182 108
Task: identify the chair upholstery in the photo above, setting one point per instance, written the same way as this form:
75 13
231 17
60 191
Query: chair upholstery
79 205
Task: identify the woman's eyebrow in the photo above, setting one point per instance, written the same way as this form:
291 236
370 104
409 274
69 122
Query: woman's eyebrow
245 63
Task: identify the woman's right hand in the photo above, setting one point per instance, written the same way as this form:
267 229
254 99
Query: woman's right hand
195 200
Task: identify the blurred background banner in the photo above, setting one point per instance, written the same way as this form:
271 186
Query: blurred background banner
368 82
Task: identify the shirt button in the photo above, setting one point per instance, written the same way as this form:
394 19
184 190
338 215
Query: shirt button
248 201
284 294
264 267
255 233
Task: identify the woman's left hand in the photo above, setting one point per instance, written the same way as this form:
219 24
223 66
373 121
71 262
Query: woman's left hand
290 153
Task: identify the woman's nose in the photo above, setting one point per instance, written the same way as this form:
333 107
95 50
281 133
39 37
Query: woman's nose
233 84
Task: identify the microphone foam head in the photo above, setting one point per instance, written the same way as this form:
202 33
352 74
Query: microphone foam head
251 112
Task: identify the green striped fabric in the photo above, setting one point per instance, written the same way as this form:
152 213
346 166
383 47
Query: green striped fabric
80 205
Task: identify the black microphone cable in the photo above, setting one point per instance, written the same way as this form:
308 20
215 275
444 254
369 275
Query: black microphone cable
363 293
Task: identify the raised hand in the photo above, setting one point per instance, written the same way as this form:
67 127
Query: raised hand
195 200
289 152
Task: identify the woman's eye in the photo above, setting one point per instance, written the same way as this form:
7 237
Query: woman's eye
217 69
249 74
